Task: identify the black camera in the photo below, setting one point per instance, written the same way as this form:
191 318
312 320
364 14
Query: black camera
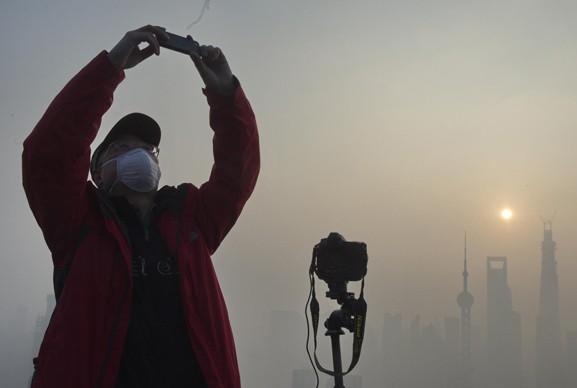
336 260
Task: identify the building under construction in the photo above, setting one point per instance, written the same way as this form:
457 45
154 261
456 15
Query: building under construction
549 364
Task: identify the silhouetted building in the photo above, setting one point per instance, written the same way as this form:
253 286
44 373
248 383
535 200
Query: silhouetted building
16 353
304 378
452 334
414 333
571 359
465 301
503 329
427 358
285 347
392 354
549 371
456 376
42 321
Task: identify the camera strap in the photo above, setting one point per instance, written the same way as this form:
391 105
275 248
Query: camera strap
359 312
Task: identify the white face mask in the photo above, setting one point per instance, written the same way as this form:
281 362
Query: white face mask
138 170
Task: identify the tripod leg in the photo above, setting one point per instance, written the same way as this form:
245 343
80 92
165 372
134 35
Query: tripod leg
337 363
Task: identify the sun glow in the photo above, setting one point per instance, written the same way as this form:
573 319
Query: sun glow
506 214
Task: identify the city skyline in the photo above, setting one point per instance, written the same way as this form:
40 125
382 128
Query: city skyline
400 344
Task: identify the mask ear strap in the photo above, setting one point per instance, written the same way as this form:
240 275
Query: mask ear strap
99 169
105 163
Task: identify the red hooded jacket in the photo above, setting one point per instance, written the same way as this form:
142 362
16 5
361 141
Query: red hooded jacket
92 257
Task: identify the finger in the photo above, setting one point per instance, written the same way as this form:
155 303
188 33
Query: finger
156 30
137 37
153 43
195 58
147 52
198 62
209 53
203 51
162 35
213 53
194 55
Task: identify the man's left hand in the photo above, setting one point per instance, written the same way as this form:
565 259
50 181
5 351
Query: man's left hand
214 69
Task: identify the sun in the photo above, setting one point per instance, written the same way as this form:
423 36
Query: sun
506 214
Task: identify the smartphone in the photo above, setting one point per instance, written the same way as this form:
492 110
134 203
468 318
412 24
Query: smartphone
180 44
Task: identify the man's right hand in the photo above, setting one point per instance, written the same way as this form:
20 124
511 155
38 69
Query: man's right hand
127 54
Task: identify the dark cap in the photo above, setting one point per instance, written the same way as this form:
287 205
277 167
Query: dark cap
138 124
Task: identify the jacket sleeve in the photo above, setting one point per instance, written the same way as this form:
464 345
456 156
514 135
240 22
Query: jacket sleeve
56 156
236 165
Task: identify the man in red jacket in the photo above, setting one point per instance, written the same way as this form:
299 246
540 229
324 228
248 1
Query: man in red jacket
138 301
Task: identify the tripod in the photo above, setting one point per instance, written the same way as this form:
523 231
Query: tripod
337 320
351 315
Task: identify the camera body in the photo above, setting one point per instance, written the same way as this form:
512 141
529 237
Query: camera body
340 261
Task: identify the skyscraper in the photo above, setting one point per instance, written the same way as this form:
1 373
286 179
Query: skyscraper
571 359
392 352
548 341
451 326
503 329
465 301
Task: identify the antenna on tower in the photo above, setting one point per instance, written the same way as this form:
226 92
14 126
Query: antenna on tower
465 300
465 272
465 250
548 220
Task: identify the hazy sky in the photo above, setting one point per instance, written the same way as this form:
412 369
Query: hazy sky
401 124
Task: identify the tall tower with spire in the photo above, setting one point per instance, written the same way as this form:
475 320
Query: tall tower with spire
464 371
548 351
465 301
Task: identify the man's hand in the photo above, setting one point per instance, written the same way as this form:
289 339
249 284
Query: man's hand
127 54
214 69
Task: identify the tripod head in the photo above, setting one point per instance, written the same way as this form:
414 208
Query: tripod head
338 291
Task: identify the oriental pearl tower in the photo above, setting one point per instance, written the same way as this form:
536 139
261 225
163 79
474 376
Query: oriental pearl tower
465 300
